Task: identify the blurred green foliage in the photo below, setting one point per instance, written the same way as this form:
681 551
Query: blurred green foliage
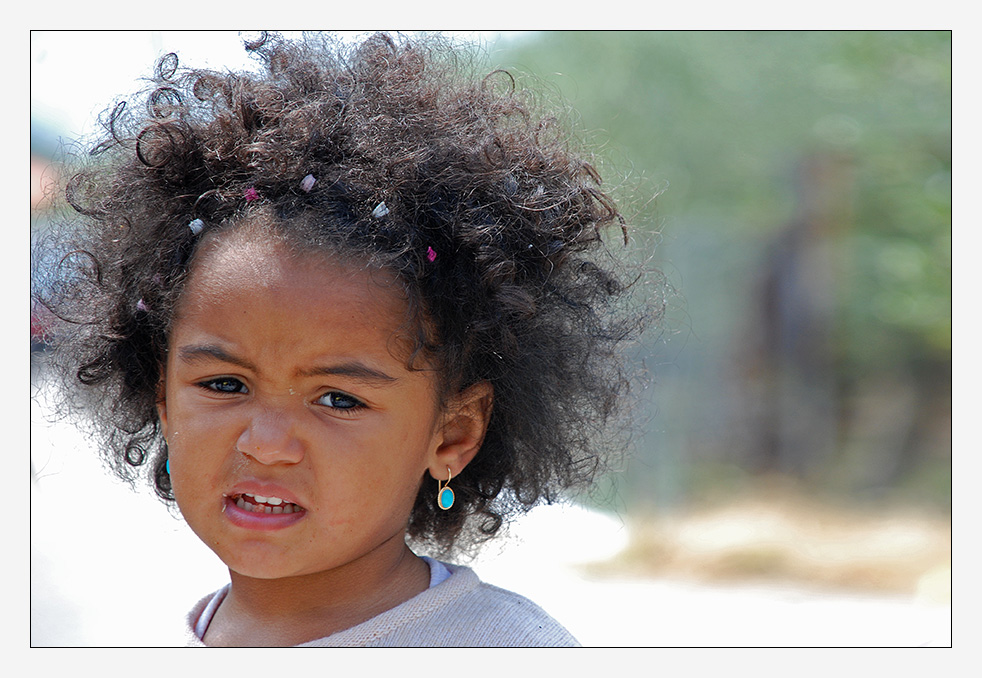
722 125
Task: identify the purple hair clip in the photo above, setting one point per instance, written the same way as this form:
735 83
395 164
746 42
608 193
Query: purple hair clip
430 254
307 183
142 306
251 194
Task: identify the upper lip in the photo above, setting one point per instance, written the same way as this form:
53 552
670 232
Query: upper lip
264 489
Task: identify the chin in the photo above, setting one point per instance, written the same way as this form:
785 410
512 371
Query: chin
262 570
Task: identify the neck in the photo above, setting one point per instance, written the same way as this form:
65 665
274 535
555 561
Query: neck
293 610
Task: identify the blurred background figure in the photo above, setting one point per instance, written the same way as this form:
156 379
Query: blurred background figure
797 429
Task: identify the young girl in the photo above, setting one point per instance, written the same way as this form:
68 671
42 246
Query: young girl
350 305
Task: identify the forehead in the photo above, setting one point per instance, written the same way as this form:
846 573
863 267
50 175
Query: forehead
263 258
248 277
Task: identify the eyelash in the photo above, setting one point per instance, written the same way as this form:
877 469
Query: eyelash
219 386
353 403
213 385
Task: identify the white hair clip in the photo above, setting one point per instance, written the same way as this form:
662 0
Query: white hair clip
307 183
380 210
196 226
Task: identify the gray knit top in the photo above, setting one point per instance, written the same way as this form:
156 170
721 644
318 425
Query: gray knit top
460 611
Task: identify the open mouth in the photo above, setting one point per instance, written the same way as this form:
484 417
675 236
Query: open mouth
257 504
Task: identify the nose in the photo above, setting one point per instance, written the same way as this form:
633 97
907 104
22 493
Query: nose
270 437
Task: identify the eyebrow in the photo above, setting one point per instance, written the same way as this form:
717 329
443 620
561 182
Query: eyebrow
353 369
201 353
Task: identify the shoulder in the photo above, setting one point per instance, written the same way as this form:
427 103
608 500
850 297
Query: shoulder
513 620
463 611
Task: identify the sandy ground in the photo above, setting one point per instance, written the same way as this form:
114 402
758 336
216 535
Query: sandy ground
111 567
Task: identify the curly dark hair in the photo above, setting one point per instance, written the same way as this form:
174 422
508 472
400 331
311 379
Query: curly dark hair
380 150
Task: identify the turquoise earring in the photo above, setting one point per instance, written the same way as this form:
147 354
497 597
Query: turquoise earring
167 466
444 495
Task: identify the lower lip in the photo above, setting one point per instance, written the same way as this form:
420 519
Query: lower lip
260 521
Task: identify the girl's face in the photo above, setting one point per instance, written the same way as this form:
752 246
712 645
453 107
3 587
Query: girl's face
297 436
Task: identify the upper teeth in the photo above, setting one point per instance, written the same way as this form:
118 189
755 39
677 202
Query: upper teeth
272 501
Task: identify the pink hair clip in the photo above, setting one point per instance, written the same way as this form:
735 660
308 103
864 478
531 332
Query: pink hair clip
430 254
307 183
251 194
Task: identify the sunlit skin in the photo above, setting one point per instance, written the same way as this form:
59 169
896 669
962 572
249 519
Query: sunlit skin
286 377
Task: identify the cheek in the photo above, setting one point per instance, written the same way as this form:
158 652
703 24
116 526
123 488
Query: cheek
200 467
196 439
371 466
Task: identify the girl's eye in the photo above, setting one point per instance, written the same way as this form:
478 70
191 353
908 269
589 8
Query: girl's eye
339 401
224 385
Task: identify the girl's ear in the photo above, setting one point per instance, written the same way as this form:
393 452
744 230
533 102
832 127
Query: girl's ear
464 425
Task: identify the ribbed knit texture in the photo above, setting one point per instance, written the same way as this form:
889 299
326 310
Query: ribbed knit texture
462 611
